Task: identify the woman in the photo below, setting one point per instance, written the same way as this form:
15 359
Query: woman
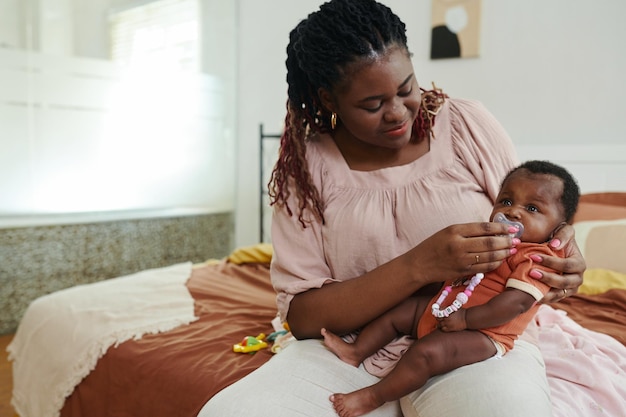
380 190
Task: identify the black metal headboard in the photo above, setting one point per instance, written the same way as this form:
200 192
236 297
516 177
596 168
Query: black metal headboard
268 153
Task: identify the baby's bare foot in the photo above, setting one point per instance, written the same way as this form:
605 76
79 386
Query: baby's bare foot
344 351
355 403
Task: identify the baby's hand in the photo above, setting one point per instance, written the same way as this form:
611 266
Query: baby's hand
454 322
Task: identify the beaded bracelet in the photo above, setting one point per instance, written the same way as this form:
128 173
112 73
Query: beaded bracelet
461 298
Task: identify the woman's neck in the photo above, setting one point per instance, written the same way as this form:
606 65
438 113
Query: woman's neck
361 156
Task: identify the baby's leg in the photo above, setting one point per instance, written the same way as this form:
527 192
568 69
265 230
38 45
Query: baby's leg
400 320
434 354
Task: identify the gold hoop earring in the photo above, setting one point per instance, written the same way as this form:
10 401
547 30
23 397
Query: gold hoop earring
333 120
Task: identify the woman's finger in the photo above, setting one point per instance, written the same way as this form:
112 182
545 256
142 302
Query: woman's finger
574 264
483 229
556 294
563 237
556 280
486 261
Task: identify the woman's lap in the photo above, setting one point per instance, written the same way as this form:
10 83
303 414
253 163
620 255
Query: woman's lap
514 385
296 382
299 380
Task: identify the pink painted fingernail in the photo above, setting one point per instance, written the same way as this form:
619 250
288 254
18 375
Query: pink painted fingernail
536 258
536 274
516 241
555 243
513 251
513 229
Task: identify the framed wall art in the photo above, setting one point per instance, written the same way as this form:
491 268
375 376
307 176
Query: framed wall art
455 29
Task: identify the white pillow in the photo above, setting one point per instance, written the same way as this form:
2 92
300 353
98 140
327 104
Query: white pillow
603 243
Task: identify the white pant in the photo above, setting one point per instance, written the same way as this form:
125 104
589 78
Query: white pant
299 380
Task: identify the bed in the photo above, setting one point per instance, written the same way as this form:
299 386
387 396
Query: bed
172 363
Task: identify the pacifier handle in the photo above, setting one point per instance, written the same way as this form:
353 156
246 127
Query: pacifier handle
501 218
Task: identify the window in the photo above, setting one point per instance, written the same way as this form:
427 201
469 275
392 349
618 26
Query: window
162 34
117 113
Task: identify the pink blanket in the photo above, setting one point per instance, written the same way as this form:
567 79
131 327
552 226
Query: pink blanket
586 369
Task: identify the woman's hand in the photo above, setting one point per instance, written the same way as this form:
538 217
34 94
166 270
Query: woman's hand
462 250
569 270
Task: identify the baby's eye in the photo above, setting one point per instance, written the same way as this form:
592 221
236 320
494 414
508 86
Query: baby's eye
507 202
532 209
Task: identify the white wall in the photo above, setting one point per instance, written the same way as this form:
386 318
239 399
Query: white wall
551 71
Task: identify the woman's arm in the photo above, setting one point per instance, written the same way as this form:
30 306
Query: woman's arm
342 307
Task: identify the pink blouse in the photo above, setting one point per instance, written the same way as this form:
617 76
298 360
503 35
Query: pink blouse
374 216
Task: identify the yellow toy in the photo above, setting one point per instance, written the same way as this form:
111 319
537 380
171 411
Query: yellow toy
250 344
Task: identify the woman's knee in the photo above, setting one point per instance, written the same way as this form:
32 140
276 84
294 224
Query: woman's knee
515 385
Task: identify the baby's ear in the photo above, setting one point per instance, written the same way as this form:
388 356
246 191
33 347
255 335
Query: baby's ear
556 230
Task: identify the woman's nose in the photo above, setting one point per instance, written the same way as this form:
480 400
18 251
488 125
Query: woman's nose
395 112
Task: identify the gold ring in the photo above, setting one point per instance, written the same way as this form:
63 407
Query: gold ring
564 292
477 259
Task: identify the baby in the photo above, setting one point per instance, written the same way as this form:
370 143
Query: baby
470 320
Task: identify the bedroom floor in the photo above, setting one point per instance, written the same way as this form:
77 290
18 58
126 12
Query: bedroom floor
6 381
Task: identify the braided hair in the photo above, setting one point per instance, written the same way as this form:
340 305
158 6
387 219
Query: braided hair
320 48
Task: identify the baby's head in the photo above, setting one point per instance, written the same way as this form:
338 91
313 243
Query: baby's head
539 194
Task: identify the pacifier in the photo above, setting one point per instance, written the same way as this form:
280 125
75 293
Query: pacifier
501 218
